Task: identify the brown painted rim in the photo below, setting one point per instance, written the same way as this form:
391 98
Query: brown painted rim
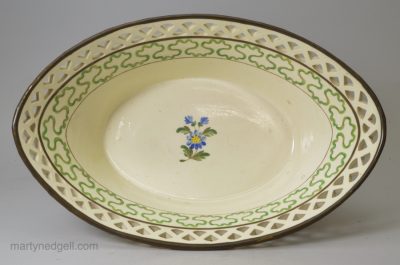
173 245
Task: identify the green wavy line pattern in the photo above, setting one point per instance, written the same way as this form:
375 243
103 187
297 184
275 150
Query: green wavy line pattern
56 117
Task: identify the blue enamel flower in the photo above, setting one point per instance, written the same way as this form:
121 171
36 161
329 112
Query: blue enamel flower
196 140
196 136
203 120
188 119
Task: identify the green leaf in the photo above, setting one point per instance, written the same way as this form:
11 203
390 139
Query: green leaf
193 124
199 124
209 132
200 156
187 151
184 130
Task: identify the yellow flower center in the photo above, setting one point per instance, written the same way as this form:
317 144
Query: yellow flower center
195 139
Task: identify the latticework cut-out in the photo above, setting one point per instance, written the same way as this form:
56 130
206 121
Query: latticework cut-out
367 108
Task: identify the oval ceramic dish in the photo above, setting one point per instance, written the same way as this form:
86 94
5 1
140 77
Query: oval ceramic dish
199 131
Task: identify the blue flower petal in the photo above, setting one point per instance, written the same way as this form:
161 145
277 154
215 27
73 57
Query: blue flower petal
188 119
204 120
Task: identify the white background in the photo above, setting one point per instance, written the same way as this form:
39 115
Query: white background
364 34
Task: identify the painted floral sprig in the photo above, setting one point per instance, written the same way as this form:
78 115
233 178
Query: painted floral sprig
195 138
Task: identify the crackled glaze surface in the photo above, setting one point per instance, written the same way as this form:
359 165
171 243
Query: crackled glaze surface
289 131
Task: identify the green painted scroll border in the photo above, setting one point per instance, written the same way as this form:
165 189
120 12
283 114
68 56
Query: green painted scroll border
192 221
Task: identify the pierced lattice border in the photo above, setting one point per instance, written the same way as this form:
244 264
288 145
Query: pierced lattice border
367 108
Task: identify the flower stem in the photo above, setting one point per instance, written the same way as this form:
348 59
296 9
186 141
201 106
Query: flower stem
184 160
